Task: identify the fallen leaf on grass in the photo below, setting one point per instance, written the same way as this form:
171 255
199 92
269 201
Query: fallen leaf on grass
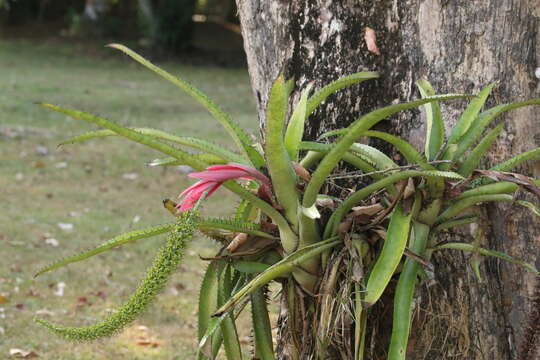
100 294
145 339
130 176
147 342
3 299
22 354
38 164
60 289
45 312
41 150
82 301
52 241
65 226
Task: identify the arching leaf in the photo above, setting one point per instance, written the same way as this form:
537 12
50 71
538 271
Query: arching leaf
434 121
111 244
239 136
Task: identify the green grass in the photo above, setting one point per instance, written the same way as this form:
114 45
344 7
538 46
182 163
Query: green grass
84 185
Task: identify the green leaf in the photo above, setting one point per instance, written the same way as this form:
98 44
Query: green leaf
338 214
354 132
233 225
531 155
295 128
195 143
213 330
403 297
322 94
231 342
281 268
337 132
132 135
485 252
482 121
182 156
262 330
207 305
111 244
457 222
209 159
459 206
277 159
436 185
473 159
407 150
535 210
243 211
434 121
501 187
390 256
375 158
469 115
250 267
235 131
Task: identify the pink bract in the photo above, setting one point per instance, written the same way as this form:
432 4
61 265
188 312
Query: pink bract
213 177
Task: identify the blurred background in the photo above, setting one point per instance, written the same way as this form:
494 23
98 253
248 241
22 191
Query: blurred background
60 201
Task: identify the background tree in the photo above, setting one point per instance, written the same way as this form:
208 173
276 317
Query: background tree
459 47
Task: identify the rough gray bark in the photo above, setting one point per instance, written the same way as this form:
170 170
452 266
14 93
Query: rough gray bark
459 46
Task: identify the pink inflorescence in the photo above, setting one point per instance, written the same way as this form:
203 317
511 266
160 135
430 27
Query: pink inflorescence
213 177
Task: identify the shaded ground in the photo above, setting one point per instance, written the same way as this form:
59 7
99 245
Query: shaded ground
213 43
102 188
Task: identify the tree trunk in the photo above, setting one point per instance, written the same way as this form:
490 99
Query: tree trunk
459 46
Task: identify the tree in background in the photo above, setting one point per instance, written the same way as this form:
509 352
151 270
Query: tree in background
459 47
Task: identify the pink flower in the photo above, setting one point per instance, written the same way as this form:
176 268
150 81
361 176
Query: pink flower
214 176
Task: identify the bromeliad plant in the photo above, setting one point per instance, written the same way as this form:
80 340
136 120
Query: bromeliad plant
341 252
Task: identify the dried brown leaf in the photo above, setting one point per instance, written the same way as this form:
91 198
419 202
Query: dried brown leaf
371 40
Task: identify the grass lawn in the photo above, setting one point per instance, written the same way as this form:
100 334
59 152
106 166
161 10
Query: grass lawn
101 188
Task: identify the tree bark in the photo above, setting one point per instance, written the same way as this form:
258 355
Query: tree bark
459 46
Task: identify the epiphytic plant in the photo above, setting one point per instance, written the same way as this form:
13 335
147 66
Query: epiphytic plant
284 228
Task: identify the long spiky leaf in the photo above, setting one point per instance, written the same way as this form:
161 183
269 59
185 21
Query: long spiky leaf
331 228
482 121
471 248
131 134
111 244
236 132
320 95
206 306
186 158
295 128
281 268
195 143
277 158
469 115
475 156
354 131
233 225
531 155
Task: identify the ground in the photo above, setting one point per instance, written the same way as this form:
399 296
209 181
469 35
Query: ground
58 201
